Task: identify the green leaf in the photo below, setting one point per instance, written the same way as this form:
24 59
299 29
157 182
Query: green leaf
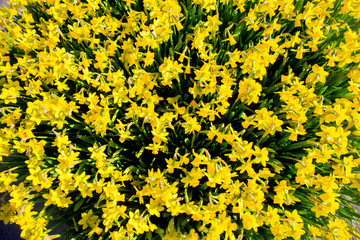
79 204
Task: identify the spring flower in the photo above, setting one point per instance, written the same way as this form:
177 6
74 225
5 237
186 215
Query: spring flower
180 120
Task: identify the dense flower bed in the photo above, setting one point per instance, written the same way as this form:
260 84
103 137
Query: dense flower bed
180 119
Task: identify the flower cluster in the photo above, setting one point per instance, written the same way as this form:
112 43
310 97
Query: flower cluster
174 119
